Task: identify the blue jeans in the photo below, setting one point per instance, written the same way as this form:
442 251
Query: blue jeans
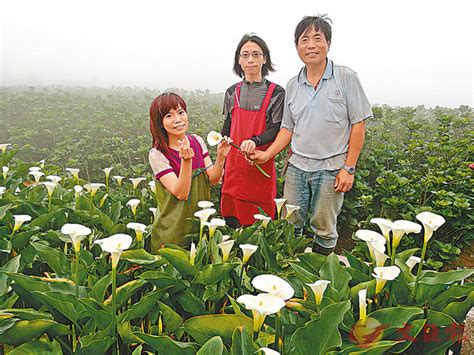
314 193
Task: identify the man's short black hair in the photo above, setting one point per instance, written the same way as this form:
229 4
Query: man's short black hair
320 23
250 37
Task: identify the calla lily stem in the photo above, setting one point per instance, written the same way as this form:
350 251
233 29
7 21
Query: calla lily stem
420 266
256 165
77 274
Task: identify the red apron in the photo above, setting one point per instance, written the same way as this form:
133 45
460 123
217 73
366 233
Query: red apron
245 188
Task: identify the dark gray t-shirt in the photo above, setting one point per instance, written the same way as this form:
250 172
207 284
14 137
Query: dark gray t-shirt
251 98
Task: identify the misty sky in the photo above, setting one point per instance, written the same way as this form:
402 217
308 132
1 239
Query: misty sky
405 52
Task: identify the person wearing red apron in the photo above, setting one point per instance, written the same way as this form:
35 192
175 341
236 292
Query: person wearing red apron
253 109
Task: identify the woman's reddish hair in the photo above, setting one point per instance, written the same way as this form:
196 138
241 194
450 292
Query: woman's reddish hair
160 106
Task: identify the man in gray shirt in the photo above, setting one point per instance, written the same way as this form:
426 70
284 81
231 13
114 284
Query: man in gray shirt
324 119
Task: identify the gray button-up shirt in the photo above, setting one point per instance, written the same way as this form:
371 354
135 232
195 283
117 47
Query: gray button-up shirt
321 118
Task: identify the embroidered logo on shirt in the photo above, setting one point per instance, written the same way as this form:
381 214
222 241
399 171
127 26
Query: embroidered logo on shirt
256 107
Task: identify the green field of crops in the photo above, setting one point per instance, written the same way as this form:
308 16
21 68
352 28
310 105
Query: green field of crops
97 288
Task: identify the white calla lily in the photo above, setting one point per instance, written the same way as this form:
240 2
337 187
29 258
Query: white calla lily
152 186
34 168
273 285
54 178
77 190
213 224
370 237
115 245
412 261
268 351
76 232
19 220
384 274
204 215
362 304
107 172
152 210
214 138
2 190
74 172
379 253
248 250
139 229
385 226
133 204
136 181
290 209
5 170
261 306
4 146
263 218
226 247
431 222
37 175
318 288
225 237
42 162
118 178
279 204
50 186
93 187
205 204
402 227
192 253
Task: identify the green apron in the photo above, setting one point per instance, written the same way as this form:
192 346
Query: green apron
171 224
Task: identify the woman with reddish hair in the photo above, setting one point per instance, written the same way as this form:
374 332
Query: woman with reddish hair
183 168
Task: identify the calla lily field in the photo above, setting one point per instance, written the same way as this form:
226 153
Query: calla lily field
77 275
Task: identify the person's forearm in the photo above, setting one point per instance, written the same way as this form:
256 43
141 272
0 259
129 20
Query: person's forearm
183 185
215 171
356 141
282 139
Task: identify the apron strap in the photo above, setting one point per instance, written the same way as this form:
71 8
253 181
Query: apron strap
266 100
237 95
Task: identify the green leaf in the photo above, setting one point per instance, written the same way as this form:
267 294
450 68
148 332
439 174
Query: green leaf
445 278
165 345
337 274
11 266
454 292
242 342
42 220
395 317
141 308
190 302
4 209
202 328
164 280
25 330
97 343
140 257
179 259
38 347
124 292
304 340
5 246
458 310
171 319
378 348
27 313
408 334
211 274
54 258
20 240
312 262
68 305
100 288
213 346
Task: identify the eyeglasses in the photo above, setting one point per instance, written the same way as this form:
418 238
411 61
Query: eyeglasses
255 55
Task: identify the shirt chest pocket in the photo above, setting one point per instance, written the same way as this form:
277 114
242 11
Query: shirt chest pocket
335 107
